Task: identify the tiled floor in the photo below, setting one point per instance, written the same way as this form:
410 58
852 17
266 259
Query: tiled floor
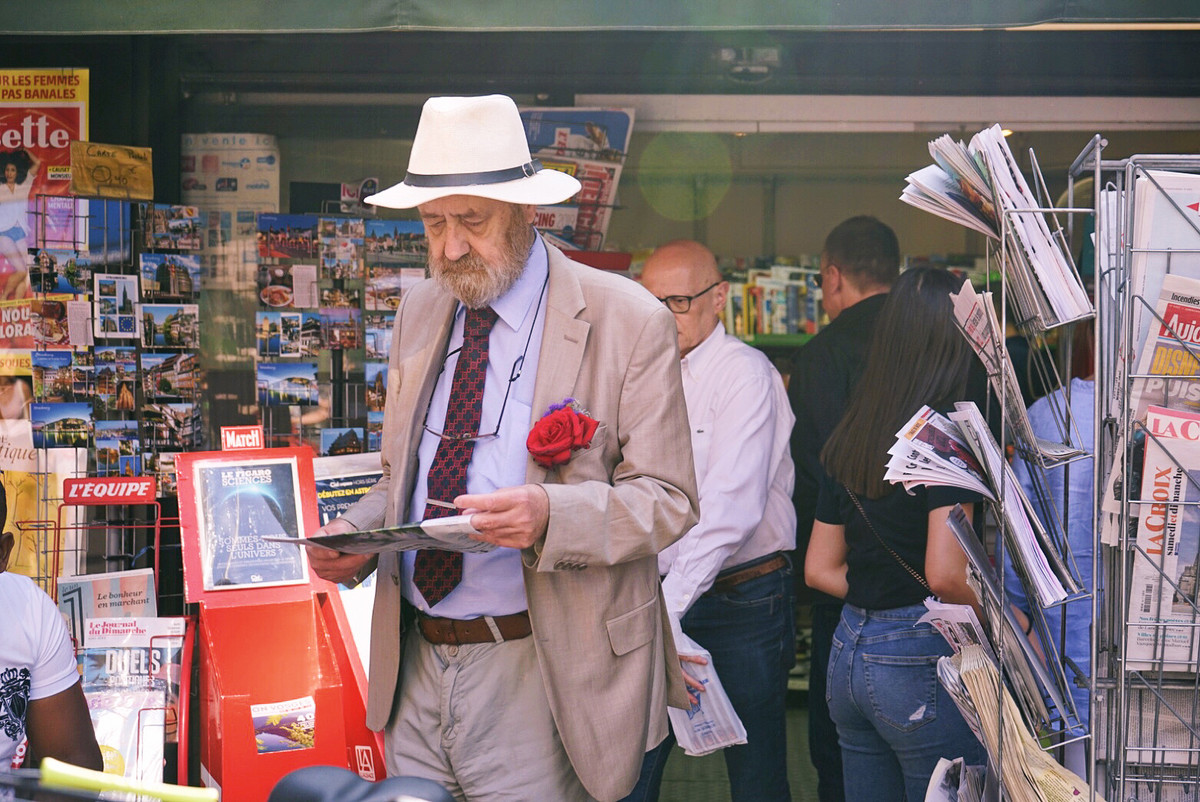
703 779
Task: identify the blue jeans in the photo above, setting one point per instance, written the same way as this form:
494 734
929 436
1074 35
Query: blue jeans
751 634
893 717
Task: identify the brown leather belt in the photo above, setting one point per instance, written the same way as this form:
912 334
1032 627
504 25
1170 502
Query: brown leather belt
731 578
454 631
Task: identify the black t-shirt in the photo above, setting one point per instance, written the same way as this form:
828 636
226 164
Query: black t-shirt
876 580
824 374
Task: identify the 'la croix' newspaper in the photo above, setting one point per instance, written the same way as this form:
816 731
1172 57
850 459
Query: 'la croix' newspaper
1163 616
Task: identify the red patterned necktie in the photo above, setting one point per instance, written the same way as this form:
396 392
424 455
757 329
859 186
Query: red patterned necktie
437 571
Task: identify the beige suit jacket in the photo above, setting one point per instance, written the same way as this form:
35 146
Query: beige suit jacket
592 584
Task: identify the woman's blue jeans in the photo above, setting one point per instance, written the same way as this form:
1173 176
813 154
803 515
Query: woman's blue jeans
893 717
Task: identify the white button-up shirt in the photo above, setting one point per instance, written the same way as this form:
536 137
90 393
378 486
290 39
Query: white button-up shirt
741 422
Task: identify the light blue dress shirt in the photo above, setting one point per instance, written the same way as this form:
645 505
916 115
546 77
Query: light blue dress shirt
1078 521
492 583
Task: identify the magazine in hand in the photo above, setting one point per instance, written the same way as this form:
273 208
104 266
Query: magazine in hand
452 533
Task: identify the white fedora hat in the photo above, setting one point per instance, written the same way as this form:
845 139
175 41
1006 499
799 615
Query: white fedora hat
474 146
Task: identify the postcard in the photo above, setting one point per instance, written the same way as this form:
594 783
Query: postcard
286 383
339 441
287 236
395 242
172 226
170 325
376 381
169 276
168 376
66 425
57 271
386 285
341 328
172 427
116 298
378 338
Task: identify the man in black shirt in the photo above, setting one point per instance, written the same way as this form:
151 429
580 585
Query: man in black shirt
859 262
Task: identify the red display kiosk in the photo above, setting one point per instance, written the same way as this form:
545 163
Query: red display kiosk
281 682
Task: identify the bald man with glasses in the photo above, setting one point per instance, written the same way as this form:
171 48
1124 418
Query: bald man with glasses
728 582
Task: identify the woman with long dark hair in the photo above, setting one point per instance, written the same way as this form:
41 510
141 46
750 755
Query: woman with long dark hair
20 169
884 551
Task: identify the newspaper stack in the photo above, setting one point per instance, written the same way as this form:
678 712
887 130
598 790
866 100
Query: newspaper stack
1165 377
1165 240
1028 672
975 315
1163 616
980 186
960 451
1027 772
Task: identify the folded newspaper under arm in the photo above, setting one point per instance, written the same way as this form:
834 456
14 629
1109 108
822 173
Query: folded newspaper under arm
452 533
711 723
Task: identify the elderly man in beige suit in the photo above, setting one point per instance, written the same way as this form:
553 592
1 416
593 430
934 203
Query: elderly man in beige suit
542 669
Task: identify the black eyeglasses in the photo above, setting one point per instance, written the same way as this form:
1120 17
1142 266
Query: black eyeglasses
816 279
680 304
513 375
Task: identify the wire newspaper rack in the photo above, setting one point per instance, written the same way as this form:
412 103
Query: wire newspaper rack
982 186
1146 696
1049 351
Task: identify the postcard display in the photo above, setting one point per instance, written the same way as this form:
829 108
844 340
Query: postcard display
114 339
110 365
281 685
328 291
1147 718
981 185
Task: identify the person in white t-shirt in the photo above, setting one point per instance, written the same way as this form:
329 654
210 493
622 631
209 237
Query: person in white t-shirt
40 694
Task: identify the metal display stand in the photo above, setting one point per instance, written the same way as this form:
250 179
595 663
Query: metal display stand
1049 353
1146 696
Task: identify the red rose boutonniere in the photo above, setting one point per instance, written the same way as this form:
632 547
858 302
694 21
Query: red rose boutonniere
565 427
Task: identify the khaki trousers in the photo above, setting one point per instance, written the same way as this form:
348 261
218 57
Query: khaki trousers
475 719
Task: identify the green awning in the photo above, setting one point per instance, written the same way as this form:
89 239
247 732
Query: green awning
346 16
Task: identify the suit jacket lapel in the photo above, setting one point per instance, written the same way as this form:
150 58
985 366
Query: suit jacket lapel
563 342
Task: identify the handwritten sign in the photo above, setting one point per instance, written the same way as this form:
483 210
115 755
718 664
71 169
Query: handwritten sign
111 171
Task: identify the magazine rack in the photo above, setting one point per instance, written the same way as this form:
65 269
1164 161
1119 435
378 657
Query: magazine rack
1064 728
983 188
281 682
1147 689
